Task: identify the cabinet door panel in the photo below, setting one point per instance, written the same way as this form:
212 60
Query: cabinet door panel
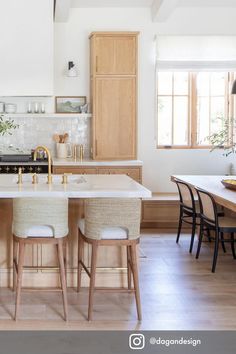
115 118
115 55
133 173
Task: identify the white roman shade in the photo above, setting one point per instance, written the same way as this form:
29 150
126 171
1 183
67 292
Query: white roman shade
196 53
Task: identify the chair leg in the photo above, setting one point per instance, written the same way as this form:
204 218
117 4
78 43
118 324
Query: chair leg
199 241
19 277
222 242
65 250
208 235
232 245
136 281
215 251
80 258
63 277
92 279
128 268
193 234
180 225
15 245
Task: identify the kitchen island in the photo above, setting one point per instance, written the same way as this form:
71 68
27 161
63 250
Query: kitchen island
77 188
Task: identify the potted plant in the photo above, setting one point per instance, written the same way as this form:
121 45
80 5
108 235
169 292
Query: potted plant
7 125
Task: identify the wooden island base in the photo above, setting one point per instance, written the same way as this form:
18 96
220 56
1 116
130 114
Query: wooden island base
111 269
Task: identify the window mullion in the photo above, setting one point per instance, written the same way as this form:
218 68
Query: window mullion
173 110
230 107
193 114
210 103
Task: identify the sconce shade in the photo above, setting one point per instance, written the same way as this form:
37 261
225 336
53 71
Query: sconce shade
233 91
72 72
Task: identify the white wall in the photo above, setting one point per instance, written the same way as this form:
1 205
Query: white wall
26 59
71 43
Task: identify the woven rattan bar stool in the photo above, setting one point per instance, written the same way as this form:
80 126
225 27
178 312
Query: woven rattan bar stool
110 222
39 221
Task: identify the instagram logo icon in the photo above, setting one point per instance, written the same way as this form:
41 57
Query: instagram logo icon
136 341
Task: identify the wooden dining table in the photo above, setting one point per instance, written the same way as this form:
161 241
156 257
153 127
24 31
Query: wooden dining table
212 184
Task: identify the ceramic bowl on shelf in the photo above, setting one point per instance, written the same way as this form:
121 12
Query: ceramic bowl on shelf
229 183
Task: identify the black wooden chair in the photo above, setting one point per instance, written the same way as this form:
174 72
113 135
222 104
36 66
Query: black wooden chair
188 212
209 218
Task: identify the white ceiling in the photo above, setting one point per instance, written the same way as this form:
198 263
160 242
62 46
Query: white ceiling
111 3
160 10
207 3
148 3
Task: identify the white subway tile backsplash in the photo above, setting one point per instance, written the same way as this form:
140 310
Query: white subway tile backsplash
39 131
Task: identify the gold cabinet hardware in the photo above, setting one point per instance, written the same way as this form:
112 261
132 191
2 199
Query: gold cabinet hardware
96 64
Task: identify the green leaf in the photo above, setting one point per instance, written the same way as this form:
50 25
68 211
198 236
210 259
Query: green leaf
7 125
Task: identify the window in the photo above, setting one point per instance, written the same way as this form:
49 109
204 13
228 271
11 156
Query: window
191 106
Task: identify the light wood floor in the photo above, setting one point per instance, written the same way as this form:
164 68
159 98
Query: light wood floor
178 292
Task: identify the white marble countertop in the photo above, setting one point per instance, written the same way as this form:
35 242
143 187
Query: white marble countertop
86 186
90 162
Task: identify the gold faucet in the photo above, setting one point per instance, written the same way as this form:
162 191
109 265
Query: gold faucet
44 148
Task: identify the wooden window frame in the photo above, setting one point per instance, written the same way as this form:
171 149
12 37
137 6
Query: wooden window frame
189 115
192 111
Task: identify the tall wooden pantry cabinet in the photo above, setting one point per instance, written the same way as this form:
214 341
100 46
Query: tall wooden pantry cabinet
114 94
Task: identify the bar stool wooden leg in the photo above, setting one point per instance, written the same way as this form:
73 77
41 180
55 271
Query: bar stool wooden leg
128 267
80 258
15 246
19 276
92 279
63 277
136 281
65 251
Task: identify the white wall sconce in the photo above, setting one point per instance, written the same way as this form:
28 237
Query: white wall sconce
72 70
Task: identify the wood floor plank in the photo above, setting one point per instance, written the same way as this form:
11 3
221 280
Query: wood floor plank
177 292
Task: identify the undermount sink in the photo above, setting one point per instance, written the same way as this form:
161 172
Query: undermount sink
56 179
